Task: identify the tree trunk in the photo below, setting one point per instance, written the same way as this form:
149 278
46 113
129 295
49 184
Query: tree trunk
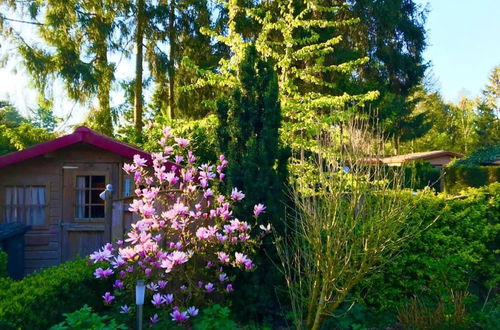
139 36
106 124
171 68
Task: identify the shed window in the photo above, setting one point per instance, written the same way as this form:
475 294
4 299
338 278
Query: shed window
25 204
88 203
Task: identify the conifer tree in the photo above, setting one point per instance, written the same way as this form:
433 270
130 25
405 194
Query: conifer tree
76 38
297 36
488 112
249 137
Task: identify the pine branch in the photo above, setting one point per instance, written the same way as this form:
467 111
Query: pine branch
20 21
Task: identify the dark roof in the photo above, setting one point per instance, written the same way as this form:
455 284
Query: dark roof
421 156
80 135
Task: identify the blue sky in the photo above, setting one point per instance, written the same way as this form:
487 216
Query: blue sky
464 46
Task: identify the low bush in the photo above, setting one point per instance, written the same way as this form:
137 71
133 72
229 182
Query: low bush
85 318
457 253
3 263
39 300
458 178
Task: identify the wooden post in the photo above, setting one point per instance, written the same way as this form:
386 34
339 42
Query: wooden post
108 213
117 221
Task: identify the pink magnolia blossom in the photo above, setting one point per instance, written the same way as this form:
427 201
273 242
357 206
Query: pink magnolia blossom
125 309
139 162
175 227
157 300
258 209
193 311
209 287
169 298
237 195
266 229
101 255
100 273
242 259
223 257
179 316
152 286
182 142
108 298
167 132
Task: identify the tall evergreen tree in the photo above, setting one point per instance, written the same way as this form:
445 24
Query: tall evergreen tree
77 39
488 112
392 34
248 135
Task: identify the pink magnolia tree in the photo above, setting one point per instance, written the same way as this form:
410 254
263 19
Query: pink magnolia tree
187 241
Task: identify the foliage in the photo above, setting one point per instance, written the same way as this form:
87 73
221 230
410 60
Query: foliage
4 257
301 38
201 133
418 315
17 132
38 301
419 175
481 156
213 318
463 126
487 123
85 318
456 253
392 34
349 223
187 244
458 178
248 135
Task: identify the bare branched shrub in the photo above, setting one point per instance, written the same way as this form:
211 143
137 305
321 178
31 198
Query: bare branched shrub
346 222
418 315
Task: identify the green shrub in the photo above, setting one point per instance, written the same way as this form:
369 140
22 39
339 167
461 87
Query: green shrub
85 318
419 175
458 178
39 300
479 157
3 263
214 317
458 252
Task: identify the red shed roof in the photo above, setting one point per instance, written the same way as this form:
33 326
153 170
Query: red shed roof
81 134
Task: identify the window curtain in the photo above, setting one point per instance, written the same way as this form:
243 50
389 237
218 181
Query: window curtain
35 202
25 205
80 197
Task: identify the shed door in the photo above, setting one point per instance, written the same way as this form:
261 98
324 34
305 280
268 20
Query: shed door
85 224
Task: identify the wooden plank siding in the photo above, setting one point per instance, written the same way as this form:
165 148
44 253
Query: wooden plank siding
43 243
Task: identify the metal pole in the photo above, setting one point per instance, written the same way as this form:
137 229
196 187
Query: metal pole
139 317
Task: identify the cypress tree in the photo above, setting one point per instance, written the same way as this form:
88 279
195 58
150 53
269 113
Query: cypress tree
248 133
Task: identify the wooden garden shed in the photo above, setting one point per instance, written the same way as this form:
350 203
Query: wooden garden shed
54 187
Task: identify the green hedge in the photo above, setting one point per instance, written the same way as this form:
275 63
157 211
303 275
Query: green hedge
458 252
39 300
458 178
421 174
3 263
